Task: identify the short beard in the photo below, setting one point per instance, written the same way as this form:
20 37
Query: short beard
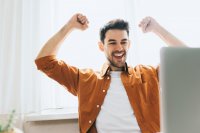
115 65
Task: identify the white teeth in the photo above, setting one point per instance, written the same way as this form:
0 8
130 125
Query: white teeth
118 54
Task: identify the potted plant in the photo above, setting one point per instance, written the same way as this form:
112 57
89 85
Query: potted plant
8 127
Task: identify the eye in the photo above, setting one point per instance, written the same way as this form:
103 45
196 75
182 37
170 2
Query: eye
123 42
112 43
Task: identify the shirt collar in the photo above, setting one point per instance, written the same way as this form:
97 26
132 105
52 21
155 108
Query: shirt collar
106 69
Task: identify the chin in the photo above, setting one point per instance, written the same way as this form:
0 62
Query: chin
114 63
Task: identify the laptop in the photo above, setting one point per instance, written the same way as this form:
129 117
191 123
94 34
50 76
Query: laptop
180 90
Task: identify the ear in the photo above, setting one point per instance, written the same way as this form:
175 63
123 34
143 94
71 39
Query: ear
101 46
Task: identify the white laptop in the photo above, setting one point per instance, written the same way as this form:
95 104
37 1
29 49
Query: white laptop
180 90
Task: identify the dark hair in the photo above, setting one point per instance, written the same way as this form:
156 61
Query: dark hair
113 24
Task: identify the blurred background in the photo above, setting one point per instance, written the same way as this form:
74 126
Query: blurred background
25 25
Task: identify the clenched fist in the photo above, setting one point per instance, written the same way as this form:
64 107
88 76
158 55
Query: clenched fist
79 21
149 24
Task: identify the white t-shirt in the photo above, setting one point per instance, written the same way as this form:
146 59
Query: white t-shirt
116 114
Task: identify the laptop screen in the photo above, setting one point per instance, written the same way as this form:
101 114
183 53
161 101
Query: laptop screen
180 90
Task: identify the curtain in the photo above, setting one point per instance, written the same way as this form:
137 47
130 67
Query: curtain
18 36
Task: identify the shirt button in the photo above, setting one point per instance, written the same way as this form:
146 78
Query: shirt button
104 90
90 121
97 106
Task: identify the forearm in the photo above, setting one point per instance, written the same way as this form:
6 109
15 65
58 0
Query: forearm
53 44
168 38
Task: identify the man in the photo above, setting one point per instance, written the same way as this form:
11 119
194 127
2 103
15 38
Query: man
119 99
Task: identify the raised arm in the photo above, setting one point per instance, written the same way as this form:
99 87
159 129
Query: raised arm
148 24
78 21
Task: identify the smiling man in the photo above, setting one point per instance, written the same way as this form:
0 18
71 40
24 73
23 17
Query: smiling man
115 35
119 99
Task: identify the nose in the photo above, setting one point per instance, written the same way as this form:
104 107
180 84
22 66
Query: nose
119 47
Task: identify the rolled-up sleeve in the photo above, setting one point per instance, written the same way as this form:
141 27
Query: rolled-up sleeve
156 70
58 70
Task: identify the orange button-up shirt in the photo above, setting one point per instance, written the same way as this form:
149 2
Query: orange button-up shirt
140 83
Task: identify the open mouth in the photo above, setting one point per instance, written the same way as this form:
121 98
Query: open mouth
118 55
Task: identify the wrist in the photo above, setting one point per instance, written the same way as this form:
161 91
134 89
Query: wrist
69 27
158 29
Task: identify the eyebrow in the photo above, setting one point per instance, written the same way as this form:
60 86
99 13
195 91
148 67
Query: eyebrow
124 40
113 40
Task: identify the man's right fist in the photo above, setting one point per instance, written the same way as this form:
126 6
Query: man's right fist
79 21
